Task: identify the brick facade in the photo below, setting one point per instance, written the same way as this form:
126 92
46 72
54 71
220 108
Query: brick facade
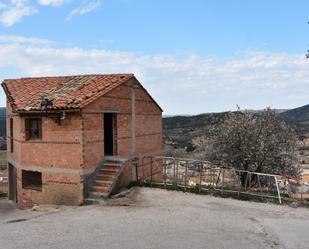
68 153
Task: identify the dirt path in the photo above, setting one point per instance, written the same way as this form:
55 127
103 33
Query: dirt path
154 218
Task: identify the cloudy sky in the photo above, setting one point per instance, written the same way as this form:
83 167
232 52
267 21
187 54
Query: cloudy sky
194 56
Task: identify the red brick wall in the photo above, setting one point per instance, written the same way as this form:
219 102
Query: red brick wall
148 124
92 145
118 100
58 155
60 146
76 147
58 188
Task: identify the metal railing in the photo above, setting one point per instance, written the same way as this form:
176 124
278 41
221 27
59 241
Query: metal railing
201 176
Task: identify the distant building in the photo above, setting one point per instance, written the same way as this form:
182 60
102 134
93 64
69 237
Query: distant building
70 138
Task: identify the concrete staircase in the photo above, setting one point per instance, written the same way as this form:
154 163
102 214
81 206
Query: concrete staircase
105 180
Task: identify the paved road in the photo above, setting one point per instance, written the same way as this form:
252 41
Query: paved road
154 218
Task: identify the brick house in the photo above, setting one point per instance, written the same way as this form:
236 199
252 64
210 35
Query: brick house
71 137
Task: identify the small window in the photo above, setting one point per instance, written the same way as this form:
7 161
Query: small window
33 128
32 180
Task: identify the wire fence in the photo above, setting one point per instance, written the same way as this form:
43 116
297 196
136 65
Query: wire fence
201 176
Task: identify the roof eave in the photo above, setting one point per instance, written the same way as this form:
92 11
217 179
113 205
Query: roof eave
51 111
8 95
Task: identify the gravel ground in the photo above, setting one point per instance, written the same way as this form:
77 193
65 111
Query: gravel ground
155 218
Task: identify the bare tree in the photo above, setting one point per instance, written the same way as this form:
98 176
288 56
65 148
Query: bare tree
255 142
170 151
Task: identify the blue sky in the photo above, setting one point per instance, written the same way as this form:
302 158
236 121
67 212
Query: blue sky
193 56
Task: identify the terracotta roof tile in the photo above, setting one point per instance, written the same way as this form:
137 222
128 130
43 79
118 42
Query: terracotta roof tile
66 92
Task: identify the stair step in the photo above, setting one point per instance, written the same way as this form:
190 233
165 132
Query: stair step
109 169
112 163
105 177
100 189
103 183
108 172
115 167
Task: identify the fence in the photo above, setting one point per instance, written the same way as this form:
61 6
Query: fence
201 176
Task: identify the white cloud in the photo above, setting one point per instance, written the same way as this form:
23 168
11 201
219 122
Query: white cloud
2 5
15 11
22 40
54 3
182 83
86 7
12 11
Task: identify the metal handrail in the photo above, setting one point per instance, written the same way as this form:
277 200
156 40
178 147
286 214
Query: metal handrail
174 164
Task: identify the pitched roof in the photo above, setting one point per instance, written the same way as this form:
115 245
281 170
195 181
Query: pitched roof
66 92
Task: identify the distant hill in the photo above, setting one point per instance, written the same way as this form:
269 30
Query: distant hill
298 118
296 115
180 130
193 121
2 122
205 119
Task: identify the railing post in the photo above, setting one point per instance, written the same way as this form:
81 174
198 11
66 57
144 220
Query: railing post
239 181
246 181
212 177
260 186
186 172
164 174
223 173
201 169
135 164
174 168
209 177
218 177
151 169
278 190
143 175
259 182
177 172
